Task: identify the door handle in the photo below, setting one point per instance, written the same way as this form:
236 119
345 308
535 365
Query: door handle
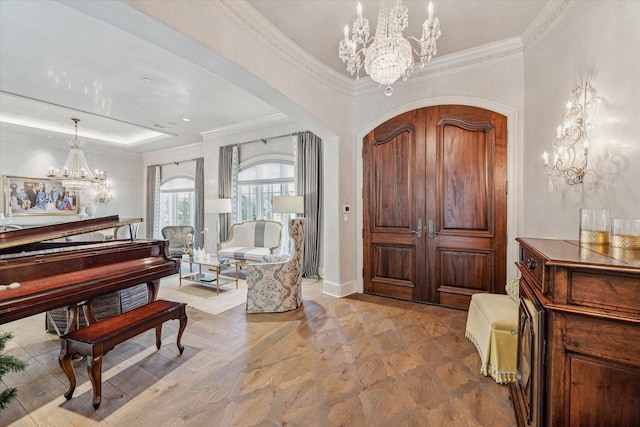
431 233
419 228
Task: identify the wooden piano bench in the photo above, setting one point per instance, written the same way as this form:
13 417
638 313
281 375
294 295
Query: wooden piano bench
97 339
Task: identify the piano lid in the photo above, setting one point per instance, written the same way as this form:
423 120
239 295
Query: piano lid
14 238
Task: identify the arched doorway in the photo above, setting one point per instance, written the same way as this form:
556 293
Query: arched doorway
435 205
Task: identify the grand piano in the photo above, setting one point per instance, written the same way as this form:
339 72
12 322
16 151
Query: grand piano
41 271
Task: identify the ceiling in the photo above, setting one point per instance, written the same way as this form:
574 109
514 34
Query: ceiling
57 62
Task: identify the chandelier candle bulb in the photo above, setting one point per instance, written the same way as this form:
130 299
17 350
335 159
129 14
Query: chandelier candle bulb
430 9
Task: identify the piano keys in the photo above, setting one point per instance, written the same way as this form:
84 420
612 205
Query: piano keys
39 271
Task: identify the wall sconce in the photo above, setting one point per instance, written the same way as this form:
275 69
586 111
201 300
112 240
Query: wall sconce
571 146
103 195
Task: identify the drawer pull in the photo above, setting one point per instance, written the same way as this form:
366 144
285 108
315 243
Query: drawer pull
531 264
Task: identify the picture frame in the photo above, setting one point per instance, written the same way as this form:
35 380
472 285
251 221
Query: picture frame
24 196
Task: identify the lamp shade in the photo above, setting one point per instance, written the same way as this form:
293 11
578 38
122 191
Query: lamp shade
288 204
217 206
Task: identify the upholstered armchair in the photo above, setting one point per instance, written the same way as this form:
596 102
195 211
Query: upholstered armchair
177 235
276 284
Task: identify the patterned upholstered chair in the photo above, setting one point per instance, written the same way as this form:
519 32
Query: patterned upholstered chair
276 284
177 237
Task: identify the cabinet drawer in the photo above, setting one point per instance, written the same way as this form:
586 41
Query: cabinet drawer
620 293
535 266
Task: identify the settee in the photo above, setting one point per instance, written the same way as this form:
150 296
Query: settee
251 240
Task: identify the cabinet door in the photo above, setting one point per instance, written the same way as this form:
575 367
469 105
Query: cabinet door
528 400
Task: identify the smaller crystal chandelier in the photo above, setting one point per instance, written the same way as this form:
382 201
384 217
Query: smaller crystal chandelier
388 55
571 146
75 174
103 195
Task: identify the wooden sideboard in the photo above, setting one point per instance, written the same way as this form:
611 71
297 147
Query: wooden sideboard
579 335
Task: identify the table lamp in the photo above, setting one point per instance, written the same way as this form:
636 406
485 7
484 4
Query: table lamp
218 206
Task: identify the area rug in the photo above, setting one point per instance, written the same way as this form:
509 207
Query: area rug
204 298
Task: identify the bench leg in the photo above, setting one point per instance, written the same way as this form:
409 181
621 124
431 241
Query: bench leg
94 369
183 324
67 367
159 336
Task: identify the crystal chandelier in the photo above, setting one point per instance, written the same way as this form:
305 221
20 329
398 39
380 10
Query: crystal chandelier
76 174
388 55
571 146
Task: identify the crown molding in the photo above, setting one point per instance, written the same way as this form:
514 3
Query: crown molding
265 122
488 54
265 33
254 24
545 21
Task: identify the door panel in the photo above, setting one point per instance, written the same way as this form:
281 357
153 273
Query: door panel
445 167
469 186
464 154
393 163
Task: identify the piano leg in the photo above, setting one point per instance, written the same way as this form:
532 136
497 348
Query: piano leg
153 288
65 363
89 314
72 318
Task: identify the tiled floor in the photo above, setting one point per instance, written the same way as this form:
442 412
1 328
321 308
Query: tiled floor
356 361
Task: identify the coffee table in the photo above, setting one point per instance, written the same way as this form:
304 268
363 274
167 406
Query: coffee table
208 279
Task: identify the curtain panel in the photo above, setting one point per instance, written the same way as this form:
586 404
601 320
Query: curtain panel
308 171
154 176
227 178
199 213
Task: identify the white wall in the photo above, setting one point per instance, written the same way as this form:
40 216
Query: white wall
228 44
29 156
597 41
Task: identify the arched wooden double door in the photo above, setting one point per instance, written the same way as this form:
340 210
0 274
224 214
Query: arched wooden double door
435 211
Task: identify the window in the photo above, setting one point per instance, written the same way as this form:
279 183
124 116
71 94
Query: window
257 185
177 202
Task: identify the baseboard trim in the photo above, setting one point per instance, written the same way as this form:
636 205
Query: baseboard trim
339 290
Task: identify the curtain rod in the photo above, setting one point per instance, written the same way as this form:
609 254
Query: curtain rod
177 163
264 140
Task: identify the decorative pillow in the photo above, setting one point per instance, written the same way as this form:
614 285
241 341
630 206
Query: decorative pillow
513 289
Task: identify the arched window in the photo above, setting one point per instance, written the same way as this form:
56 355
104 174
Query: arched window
177 202
257 185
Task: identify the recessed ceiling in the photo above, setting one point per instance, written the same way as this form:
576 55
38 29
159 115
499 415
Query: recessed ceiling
57 62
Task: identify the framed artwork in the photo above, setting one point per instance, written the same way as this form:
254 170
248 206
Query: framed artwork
38 196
